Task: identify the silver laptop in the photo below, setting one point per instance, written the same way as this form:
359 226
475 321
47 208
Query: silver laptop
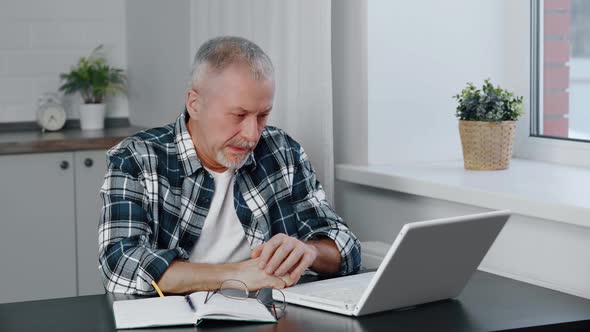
428 261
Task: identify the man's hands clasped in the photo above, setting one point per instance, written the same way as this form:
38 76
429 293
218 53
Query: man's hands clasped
283 257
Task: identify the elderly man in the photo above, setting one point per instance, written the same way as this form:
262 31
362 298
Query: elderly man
218 195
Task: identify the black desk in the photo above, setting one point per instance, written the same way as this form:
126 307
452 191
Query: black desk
488 303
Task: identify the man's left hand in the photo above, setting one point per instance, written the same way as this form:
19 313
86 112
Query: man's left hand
283 255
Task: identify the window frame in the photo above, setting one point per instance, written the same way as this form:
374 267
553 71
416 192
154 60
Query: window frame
536 102
528 144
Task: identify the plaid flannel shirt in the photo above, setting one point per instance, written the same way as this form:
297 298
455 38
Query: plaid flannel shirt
156 196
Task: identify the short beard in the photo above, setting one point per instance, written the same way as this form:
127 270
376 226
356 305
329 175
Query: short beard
240 159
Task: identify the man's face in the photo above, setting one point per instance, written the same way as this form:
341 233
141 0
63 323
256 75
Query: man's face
228 111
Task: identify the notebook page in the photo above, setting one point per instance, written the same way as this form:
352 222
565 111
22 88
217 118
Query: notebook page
221 307
155 311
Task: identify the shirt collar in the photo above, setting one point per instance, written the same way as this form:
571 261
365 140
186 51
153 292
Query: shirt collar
187 154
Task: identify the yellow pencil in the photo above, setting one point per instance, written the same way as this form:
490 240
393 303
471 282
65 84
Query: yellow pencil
157 288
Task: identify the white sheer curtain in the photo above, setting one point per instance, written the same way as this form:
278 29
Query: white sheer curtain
296 34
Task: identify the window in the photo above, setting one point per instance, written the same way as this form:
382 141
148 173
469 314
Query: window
560 103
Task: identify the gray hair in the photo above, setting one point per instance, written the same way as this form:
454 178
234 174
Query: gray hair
218 53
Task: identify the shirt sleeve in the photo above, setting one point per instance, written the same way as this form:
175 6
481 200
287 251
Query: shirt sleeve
318 219
128 255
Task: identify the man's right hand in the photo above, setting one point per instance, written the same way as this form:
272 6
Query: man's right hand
256 278
186 277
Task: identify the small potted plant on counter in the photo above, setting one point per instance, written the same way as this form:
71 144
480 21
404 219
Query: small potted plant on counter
94 79
487 124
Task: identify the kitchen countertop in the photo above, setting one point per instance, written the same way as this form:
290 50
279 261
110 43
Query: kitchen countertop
34 141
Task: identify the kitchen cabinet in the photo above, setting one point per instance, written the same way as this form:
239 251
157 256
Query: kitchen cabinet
49 211
90 168
38 239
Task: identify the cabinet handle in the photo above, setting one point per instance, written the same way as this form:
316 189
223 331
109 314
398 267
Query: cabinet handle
88 162
64 165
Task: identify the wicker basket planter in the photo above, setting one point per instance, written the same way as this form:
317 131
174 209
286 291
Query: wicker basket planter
487 145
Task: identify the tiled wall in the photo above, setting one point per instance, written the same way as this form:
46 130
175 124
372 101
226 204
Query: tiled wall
40 39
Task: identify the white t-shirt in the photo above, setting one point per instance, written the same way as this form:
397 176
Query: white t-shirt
222 238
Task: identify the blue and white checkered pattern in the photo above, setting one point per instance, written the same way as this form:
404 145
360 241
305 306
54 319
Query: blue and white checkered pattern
156 196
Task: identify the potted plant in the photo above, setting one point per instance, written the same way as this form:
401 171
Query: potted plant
94 79
487 124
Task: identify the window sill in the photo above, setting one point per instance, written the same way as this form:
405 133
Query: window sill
531 188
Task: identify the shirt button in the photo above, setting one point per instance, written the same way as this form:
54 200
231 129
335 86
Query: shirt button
206 200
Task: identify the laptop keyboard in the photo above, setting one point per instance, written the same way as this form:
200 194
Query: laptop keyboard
346 295
344 290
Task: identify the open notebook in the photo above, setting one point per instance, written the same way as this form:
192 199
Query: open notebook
175 310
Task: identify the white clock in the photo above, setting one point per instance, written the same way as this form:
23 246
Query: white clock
51 115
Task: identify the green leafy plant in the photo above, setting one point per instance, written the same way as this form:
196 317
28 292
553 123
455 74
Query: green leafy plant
93 78
488 104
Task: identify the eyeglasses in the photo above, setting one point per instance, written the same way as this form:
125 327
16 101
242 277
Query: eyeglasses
238 290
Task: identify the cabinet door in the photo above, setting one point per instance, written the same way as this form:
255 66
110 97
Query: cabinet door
90 171
37 238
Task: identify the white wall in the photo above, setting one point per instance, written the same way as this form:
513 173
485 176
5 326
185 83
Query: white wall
41 39
538 251
420 54
158 41
349 81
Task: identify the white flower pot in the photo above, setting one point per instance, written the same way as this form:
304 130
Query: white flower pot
92 116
